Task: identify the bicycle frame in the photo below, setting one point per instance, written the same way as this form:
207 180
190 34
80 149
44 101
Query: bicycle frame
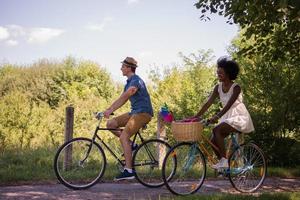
233 142
95 135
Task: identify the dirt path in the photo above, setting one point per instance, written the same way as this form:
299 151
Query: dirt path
131 190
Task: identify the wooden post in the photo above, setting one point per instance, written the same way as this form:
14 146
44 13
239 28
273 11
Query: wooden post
161 134
68 136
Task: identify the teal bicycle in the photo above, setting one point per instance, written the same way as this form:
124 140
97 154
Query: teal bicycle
247 164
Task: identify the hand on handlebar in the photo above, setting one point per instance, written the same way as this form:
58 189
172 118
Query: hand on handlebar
213 119
205 122
99 115
107 113
209 122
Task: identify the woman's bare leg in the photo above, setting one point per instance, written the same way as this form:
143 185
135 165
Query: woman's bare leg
220 132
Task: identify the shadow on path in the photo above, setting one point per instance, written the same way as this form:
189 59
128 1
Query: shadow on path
132 190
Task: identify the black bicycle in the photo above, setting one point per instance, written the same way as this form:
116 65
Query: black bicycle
80 163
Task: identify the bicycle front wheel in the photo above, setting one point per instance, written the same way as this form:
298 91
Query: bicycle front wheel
147 162
247 168
79 163
190 168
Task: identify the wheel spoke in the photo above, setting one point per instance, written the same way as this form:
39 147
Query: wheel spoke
253 167
79 164
190 169
146 162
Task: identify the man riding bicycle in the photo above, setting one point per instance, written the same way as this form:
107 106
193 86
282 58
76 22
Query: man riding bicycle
141 113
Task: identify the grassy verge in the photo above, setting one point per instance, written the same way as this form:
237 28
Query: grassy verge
26 165
284 172
37 165
32 166
265 196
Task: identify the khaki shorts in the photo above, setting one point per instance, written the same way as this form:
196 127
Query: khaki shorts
132 123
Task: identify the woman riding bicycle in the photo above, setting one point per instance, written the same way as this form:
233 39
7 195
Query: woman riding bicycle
234 116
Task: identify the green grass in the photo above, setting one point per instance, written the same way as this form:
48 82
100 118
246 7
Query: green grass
37 165
284 172
26 165
265 196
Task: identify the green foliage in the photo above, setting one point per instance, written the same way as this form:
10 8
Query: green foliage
258 16
268 51
269 23
33 100
271 89
15 106
185 88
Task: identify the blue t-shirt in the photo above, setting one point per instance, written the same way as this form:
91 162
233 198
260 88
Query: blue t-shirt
140 101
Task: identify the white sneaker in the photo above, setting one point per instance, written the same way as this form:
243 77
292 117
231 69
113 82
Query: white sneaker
223 163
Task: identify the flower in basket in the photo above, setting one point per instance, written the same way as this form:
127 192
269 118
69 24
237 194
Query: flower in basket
169 117
166 114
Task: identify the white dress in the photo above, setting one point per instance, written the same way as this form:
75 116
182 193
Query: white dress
237 116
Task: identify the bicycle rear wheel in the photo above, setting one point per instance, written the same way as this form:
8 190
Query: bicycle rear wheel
147 162
247 168
190 168
79 163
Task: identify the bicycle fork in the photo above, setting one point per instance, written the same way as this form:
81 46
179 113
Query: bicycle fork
89 149
191 157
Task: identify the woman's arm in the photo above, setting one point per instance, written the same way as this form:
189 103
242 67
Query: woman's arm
209 102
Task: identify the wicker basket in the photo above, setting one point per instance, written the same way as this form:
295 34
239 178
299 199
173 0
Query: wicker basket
186 131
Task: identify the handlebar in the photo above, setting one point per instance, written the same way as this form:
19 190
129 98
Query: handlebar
205 122
100 115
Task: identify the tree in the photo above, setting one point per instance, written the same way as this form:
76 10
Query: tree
268 50
261 19
272 91
184 88
33 100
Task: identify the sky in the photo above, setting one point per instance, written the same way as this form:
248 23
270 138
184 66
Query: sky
106 31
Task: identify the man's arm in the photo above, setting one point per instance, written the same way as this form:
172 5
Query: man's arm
121 100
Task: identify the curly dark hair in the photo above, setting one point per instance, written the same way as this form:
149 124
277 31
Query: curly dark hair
230 67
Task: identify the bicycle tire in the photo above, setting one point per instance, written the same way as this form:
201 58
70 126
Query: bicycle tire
247 168
146 163
190 169
80 171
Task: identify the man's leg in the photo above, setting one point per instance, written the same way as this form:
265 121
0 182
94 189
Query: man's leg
118 122
126 145
136 122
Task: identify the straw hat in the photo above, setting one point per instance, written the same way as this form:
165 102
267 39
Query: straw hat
130 62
